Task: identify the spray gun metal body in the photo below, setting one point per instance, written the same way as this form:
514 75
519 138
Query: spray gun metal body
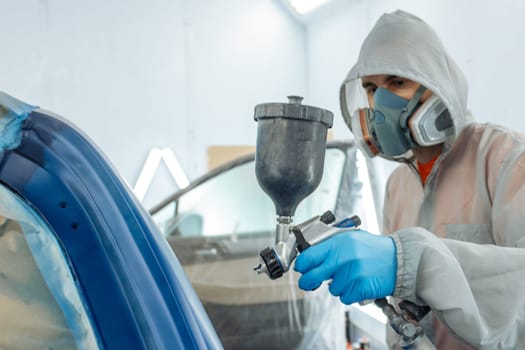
292 240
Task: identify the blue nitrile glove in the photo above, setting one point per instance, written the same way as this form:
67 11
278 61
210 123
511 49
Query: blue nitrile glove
361 266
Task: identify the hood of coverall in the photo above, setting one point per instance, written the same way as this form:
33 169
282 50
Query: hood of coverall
402 44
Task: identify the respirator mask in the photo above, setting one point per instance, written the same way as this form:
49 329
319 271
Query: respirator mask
395 124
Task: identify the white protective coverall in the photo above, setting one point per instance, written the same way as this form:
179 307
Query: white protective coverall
460 237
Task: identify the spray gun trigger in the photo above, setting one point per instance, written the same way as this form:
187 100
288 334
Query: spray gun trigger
302 244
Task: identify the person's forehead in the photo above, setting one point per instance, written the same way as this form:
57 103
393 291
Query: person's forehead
377 78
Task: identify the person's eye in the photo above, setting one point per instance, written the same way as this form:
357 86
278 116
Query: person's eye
370 90
399 82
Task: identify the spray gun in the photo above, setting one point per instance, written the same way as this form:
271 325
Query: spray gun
289 161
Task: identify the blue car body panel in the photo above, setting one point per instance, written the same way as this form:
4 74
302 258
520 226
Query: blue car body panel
135 289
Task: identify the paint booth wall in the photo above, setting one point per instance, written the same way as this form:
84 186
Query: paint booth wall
136 75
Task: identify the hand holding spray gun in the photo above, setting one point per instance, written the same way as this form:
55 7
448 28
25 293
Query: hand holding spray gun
357 263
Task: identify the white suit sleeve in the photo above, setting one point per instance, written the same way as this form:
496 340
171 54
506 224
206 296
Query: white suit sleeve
476 290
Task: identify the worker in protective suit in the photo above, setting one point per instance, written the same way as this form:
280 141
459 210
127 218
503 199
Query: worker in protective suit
454 211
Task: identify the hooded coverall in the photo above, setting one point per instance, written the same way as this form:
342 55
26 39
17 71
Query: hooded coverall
460 236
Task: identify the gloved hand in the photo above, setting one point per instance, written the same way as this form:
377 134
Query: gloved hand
361 265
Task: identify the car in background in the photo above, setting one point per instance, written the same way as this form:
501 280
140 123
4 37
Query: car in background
218 224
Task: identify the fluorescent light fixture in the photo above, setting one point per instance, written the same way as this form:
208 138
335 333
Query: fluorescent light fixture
174 167
150 168
304 6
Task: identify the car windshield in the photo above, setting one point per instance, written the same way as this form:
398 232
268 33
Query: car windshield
233 203
40 301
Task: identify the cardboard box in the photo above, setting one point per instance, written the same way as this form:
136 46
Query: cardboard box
218 155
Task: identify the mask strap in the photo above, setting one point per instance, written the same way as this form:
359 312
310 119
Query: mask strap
411 105
407 112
